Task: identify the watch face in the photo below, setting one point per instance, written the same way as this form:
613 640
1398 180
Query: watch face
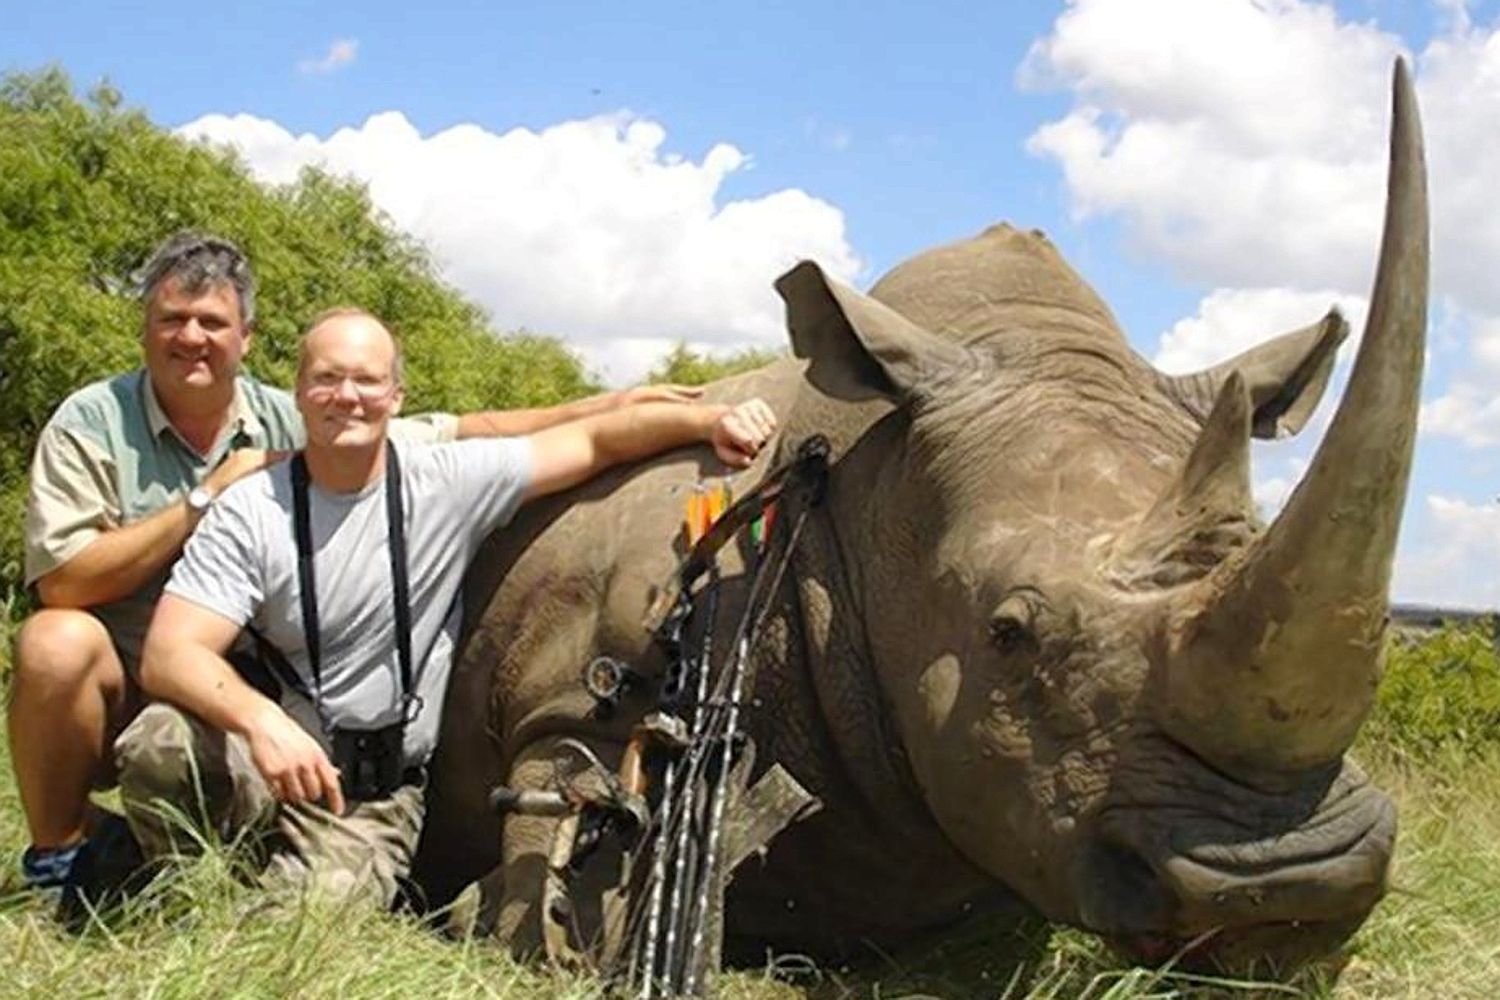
198 499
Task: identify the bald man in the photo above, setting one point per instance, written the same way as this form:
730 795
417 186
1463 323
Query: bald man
348 559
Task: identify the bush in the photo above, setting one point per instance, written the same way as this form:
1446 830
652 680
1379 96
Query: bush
1440 693
685 366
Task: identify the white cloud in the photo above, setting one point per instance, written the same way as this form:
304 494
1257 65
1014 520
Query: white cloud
341 52
589 229
1463 77
1469 410
1270 494
1276 467
1459 20
1455 564
1231 320
1460 90
1243 143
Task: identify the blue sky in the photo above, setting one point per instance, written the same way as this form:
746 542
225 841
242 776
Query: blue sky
783 85
1213 167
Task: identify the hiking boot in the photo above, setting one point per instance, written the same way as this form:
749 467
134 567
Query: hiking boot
108 869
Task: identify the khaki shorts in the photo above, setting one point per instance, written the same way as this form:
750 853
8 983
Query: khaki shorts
243 656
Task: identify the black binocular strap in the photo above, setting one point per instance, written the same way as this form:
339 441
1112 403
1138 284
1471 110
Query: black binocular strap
395 513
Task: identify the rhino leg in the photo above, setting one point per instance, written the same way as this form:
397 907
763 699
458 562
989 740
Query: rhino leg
506 902
534 903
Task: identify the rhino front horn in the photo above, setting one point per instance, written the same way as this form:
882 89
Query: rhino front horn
1274 666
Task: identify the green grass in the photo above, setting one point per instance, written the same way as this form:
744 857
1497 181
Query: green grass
1436 936
200 932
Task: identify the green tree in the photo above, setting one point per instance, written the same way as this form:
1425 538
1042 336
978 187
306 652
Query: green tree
1440 692
685 366
88 187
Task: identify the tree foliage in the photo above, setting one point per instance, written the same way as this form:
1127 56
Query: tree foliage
1439 693
89 187
685 366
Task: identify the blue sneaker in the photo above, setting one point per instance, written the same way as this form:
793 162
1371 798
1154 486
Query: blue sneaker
49 868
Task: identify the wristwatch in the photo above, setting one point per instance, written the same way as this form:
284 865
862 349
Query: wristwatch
199 499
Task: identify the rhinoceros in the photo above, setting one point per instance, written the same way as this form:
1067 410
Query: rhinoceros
1035 645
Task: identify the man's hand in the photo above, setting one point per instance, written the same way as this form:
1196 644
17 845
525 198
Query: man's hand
237 465
665 393
739 435
183 663
292 762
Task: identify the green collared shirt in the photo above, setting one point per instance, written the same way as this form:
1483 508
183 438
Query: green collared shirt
109 457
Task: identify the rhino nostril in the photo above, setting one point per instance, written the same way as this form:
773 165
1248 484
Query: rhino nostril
1008 634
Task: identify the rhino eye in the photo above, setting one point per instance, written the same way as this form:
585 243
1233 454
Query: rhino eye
1012 625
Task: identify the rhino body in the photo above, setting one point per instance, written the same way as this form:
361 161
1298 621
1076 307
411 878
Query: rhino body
1035 650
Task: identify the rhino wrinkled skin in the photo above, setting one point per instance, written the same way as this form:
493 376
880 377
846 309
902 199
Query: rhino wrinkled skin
1036 649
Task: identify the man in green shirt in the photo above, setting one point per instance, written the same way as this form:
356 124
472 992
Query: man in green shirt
123 471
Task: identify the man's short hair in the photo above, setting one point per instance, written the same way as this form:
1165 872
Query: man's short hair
199 261
398 364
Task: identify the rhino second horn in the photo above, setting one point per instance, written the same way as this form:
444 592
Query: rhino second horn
1277 669
1205 513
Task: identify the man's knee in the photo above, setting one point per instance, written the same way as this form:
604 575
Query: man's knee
157 756
60 651
177 773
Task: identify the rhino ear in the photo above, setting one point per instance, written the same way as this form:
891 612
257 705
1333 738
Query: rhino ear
1286 378
858 347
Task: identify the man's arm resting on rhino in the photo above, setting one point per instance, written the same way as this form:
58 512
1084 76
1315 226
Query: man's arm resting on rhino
121 560
567 455
517 423
183 663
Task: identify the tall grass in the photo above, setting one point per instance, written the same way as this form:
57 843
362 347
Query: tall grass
200 932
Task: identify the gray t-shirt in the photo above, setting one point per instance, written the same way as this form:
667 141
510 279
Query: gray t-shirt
241 563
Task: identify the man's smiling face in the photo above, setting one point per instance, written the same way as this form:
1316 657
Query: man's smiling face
348 385
194 340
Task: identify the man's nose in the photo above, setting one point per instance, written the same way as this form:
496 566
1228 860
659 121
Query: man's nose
192 331
346 391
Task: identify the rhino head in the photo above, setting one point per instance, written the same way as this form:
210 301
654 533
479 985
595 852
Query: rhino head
1117 691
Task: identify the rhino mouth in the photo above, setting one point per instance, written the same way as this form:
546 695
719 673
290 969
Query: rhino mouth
1188 863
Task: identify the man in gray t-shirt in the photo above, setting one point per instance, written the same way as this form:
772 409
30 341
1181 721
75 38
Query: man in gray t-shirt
241 563
224 753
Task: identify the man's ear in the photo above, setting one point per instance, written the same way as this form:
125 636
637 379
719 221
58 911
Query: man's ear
858 347
397 398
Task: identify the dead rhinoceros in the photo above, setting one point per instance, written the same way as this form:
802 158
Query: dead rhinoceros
1034 643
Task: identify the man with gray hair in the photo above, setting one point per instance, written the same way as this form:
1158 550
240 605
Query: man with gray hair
123 471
